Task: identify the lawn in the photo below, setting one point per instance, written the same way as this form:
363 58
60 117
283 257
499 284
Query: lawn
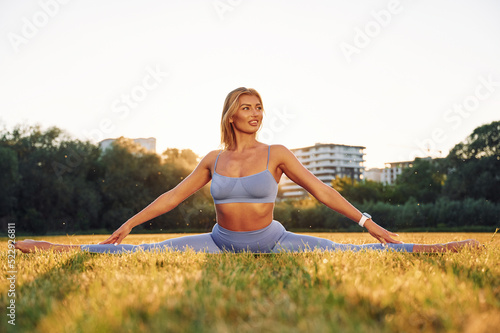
306 292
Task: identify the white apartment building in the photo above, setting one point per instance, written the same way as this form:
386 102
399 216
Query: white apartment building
393 170
374 174
148 143
326 161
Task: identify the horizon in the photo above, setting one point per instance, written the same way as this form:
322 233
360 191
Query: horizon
162 150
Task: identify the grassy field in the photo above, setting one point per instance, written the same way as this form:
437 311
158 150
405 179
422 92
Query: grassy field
307 292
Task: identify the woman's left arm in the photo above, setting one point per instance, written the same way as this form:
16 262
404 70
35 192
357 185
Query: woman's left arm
327 195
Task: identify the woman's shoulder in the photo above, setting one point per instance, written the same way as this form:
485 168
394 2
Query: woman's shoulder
280 149
281 154
279 146
209 158
213 153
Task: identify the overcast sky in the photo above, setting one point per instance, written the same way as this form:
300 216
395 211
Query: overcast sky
397 77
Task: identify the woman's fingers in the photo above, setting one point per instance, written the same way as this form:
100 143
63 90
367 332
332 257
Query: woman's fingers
393 234
107 241
387 238
110 240
382 235
391 240
117 236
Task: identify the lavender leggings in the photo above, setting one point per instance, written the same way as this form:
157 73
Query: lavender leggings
271 239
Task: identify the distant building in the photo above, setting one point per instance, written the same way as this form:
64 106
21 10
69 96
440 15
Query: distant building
148 143
326 161
374 174
394 169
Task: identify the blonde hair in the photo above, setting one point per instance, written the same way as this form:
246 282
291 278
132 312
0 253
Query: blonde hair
231 105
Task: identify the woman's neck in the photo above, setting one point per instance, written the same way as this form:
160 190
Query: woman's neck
244 142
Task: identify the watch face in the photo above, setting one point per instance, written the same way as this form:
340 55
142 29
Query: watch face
367 215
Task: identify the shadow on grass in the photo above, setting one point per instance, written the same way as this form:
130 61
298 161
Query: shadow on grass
265 292
35 298
479 274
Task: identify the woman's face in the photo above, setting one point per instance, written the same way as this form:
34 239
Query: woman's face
248 117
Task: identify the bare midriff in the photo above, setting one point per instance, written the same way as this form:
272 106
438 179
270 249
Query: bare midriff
242 216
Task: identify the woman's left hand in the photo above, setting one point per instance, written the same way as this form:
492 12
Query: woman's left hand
382 235
117 236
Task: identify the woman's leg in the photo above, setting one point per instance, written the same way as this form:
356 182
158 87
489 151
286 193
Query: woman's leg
448 247
296 243
197 243
30 245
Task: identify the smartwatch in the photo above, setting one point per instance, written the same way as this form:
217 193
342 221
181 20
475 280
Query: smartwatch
363 219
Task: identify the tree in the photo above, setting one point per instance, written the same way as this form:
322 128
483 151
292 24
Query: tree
361 191
50 173
133 177
474 165
184 158
423 181
9 182
483 142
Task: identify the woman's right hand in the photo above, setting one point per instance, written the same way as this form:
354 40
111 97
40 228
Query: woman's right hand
117 236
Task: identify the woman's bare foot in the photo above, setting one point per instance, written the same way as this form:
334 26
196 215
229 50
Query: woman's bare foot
30 245
448 247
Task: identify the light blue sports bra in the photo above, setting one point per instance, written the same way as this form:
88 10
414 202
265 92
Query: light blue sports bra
260 187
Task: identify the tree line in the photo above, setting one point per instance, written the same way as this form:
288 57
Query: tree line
460 190
52 183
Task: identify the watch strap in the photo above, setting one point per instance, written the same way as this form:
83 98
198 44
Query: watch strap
363 219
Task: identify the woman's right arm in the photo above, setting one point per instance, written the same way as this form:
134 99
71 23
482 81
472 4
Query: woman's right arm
168 200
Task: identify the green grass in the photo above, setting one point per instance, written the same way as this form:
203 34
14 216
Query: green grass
307 292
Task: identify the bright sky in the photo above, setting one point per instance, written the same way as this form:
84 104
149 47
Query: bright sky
397 77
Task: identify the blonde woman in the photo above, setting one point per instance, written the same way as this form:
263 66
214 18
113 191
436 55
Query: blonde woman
245 176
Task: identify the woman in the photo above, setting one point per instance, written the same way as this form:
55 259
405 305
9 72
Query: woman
245 177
